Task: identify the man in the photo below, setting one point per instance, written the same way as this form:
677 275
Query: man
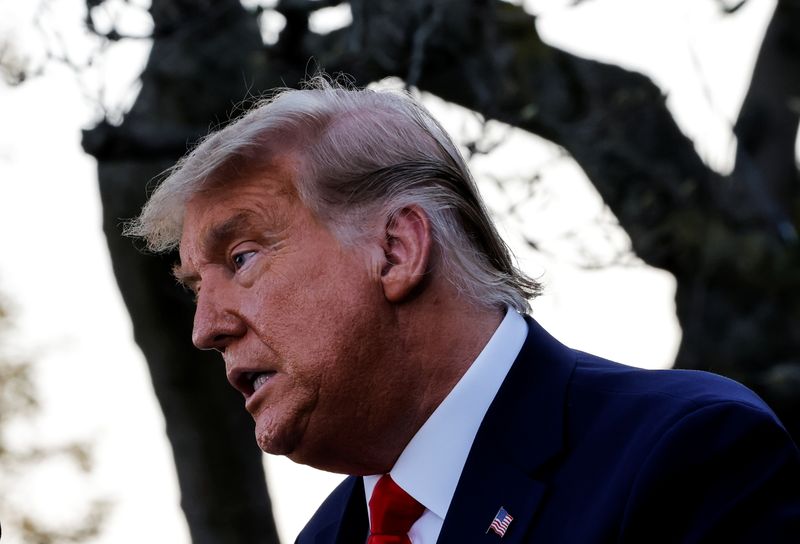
372 318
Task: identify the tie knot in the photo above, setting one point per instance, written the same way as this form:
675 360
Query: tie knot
392 512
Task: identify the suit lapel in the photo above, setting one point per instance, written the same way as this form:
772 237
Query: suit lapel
354 525
480 496
350 524
521 431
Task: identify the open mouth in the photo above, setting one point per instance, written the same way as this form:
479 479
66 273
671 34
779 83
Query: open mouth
260 379
250 382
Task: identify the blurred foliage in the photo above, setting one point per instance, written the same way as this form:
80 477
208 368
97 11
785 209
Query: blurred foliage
13 67
19 407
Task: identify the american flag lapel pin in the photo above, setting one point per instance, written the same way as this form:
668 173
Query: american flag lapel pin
500 522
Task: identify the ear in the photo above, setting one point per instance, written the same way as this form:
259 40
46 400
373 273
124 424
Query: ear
406 249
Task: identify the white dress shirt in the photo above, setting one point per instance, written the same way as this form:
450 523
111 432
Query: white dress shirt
430 466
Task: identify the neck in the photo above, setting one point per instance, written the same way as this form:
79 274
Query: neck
439 343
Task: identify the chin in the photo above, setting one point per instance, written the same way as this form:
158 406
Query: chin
274 442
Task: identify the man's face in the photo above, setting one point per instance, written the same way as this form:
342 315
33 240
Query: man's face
301 321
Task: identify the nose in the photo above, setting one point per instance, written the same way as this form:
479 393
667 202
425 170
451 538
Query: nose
216 321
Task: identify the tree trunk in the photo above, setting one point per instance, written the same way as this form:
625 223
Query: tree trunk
766 173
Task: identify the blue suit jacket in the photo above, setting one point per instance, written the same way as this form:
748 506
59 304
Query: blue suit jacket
580 449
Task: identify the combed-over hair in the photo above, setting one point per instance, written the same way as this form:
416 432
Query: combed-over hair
361 156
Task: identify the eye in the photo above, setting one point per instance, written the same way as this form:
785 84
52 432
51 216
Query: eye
240 259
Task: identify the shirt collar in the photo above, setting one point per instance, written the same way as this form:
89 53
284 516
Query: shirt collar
430 465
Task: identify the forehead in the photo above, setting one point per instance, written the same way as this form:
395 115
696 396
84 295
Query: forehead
263 200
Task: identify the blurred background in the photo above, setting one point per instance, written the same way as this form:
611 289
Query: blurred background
641 157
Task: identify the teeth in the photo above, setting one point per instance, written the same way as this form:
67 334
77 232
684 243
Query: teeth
260 380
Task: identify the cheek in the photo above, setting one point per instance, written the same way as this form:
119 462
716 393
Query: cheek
276 300
315 313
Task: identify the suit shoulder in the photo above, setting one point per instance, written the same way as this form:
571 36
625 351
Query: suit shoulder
607 398
685 390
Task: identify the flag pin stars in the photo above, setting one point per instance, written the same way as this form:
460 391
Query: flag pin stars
500 522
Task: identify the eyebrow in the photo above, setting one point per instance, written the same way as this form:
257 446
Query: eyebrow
185 278
212 242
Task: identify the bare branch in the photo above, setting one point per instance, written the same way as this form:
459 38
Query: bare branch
420 40
728 8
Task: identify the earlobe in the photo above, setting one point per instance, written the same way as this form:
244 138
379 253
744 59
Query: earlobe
407 248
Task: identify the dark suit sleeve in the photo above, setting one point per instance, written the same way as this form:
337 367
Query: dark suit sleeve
727 472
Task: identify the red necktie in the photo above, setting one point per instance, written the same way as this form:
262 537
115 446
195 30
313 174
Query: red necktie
392 512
